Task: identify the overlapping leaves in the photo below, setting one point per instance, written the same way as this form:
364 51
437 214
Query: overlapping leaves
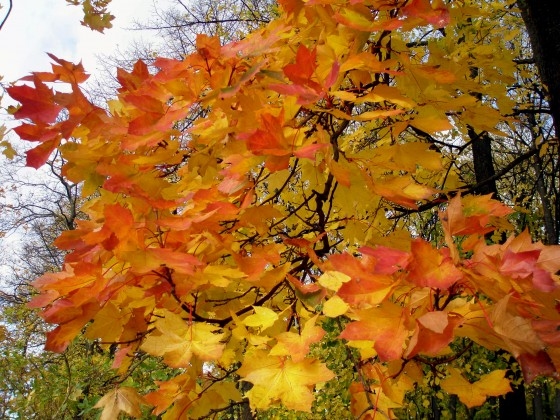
221 246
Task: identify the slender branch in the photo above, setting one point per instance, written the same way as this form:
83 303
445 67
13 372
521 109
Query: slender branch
469 188
7 14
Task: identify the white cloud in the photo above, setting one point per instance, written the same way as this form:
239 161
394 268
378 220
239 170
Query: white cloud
36 27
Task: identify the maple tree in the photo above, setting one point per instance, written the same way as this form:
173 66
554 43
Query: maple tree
228 246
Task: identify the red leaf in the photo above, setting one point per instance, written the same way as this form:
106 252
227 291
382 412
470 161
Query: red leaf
39 155
534 365
548 331
269 140
304 67
389 260
37 103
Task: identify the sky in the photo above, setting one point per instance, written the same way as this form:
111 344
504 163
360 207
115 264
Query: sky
37 27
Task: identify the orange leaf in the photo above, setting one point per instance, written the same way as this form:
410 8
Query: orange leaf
306 62
386 325
516 332
431 267
435 13
434 331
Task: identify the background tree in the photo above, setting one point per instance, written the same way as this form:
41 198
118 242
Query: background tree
540 18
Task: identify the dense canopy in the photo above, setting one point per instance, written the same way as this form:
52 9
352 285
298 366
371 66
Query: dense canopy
316 198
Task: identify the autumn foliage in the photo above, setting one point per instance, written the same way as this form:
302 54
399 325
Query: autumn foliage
239 197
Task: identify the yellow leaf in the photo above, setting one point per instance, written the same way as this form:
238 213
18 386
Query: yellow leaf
475 394
334 307
297 345
432 124
124 399
263 318
333 280
277 379
430 120
108 323
8 151
177 340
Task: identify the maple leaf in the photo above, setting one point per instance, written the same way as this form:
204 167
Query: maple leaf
335 306
108 323
64 71
431 267
270 140
71 321
388 260
535 365
297 345
120 399
472 214
360 21
520 265
435 13
386 325
277 379
361 406
365 284
36 157
516 332
178 340
547 330
306 63
402 190
263 318
168 392
185 395
7 149
333 280
434 331
37 103
474 394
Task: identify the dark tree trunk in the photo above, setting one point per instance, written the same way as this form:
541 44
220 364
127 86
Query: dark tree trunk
453 406
538 403
513 405
557 404
434 409
542 19
483 162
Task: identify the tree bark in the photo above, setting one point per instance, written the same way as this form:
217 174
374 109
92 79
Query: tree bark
542 19
538 403
483 162
513 404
